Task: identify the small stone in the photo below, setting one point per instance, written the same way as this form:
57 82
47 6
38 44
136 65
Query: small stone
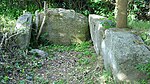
39 52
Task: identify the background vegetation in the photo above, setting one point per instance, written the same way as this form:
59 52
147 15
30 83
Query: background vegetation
14 8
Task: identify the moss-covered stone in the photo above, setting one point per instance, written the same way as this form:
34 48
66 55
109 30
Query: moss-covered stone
65 26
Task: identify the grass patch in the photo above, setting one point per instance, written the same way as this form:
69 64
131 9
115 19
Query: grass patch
145 68
142 29
139 24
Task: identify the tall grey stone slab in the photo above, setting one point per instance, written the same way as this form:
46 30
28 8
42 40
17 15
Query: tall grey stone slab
64 26
23 30
98 24
96 31
122 52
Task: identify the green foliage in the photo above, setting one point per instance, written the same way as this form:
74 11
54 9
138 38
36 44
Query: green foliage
146 69
107 76
138 24
43 40
139 9
83 46
108 24
143 28
84 61
15 8
18 66
85 7
146 38
136 5
102 8
7 24
143 81
60 82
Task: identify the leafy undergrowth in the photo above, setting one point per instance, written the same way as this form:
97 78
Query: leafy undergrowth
74 64
145 68
142 29
7 24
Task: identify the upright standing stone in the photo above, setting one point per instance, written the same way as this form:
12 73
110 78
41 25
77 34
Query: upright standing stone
98 24
122 52
96 31
23 29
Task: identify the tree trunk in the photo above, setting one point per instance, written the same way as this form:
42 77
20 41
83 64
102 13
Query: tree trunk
121 13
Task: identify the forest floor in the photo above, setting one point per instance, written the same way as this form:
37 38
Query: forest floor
72 65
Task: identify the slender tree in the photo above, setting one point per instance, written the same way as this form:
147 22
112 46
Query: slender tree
121 13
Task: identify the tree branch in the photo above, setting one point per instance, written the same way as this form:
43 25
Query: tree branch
43 22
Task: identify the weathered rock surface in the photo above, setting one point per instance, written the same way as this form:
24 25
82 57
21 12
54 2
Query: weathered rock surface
96 31
98 24
64 26
23 30
122 52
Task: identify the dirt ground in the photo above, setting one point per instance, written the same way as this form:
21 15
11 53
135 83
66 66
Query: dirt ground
67 67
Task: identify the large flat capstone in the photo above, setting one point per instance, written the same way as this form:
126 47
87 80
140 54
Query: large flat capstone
64 26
